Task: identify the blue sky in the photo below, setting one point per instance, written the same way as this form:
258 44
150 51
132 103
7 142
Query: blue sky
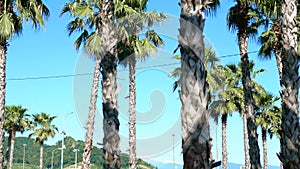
50 51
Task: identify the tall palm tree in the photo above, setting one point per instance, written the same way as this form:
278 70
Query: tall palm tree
12 15
242 10
86 18
100 43
131 48
43 131
270 39
15 121
268 117
86 15
194 88
290 134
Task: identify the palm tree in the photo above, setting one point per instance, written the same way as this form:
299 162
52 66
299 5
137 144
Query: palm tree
43 131
269 39
101 44
225 104
235 93
131 48
268 117
194 88
15 121
85 16
211 63
290 134
234 21
12 15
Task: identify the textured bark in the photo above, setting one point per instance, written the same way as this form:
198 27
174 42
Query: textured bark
290 138
41 154
88 146
3 49
246 143
110 90
247 88
12 147
111 140
224 141
194 88
277 47
6 158
132 114
264 142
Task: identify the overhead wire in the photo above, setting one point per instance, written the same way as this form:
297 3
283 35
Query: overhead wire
85 74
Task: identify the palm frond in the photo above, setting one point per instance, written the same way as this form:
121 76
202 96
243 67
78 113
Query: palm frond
77 24
175 73
153 37
10 24
93 44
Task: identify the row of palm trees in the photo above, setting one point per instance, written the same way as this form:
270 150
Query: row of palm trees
17 120
244 18
109 41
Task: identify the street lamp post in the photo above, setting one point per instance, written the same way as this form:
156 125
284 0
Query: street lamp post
24 153
62 141
53 157
75 150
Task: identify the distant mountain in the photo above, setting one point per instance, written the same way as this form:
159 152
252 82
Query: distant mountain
32 154
162 165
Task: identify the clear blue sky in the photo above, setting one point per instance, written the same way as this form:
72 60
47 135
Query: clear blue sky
51 52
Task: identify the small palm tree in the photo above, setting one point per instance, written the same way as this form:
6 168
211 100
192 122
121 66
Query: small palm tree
237 96
268 116
43 130
226 91
15 121
12 15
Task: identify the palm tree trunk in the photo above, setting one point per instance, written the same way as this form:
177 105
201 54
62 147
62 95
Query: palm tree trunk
110 90
41 154
132 114
194 88
111 140
247 88
290 139
264 141
12 147
88 146
277 48
6 159
246 143
3 49
224 141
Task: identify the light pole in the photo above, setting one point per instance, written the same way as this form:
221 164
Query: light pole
62 141
24 145
53 156
75 150
173 152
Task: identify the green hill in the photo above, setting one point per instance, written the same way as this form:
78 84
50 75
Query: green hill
32 155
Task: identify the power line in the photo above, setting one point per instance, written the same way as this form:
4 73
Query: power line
48 77
86 74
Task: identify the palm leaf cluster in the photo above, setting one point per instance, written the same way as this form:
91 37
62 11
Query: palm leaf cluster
14 12
17 120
